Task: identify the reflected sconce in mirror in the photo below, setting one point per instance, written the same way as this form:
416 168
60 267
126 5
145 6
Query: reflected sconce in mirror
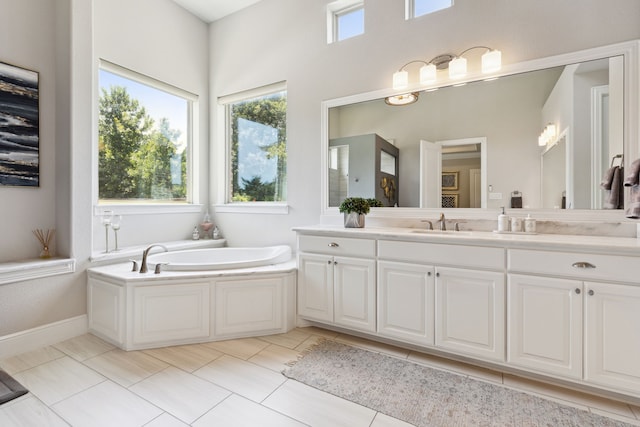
548 135
457 65
404 99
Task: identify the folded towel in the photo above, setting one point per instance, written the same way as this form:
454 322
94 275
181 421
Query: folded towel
633 211
633 178
614 198
607 179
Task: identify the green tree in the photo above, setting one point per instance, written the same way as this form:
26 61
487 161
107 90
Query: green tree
123 123
269 111
256 190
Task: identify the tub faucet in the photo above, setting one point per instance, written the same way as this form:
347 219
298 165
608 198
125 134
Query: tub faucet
443 225
145 254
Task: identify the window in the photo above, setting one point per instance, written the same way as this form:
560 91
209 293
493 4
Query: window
143 139
345 19
415 8
257 143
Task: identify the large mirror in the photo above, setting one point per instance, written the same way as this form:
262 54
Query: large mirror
584 100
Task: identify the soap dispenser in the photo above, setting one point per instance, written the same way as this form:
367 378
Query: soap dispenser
529 224
503 221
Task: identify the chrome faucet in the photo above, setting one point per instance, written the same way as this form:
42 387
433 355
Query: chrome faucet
443 225
145 254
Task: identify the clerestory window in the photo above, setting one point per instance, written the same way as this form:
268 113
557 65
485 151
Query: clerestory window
416 8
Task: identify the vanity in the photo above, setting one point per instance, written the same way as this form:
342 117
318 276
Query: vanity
564 308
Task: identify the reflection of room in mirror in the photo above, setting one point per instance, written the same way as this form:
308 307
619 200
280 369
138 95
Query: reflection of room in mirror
509 112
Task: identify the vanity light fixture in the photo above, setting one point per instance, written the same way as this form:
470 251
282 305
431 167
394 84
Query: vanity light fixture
457 65
548 135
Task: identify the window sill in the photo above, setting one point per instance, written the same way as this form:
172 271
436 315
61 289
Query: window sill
18 271
146 209
254 208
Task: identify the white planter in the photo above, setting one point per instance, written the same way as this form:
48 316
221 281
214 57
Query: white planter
353 220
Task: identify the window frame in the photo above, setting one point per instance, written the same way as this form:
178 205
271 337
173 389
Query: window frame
337 9
225 204
410 10
151 206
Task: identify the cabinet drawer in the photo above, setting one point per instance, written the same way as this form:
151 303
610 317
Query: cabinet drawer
441 254
337 245
576 265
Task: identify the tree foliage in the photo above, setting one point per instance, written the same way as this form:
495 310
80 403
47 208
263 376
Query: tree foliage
135 155
271 112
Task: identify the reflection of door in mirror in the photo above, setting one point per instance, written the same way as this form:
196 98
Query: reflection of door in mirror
338 174
554 176
460 160
365 166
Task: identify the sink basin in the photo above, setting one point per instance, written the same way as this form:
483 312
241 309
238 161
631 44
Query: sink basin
425 231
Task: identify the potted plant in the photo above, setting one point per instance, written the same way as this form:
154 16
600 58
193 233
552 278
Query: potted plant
354 209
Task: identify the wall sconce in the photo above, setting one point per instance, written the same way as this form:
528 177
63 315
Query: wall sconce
548 135
457 65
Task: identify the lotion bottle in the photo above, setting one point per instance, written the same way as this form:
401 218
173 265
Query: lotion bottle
529 224
503 221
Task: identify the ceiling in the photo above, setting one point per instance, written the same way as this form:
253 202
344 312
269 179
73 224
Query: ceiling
211 10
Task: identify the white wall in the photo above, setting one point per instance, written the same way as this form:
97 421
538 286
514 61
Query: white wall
287 41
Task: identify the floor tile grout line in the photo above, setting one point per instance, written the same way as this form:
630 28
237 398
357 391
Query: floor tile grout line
261 403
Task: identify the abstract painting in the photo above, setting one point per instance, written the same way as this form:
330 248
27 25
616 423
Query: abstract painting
19 127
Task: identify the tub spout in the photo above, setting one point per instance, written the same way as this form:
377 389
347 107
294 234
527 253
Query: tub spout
145 254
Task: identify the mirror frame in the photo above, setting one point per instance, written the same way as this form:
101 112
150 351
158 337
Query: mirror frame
631 132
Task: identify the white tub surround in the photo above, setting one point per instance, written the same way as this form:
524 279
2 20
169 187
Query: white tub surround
137 311
564 308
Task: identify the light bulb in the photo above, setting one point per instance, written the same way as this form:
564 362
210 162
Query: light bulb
400 79
491 61
427 74
457 68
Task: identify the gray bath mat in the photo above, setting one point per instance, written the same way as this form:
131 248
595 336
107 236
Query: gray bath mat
424 396
9 388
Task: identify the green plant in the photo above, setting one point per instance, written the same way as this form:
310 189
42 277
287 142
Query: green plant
374 203
358 205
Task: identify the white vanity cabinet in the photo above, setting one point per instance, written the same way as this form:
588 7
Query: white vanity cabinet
461 308
336 281
406 302
576 315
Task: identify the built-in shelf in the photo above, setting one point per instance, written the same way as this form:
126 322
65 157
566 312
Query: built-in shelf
18 271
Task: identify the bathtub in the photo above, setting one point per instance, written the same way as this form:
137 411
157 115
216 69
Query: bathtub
220 258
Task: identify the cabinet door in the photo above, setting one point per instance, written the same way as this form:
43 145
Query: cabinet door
355 293
612 319
315 287
545 324
169 312
249 305
470 309
406 302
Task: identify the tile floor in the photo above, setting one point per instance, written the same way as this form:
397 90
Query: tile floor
87 382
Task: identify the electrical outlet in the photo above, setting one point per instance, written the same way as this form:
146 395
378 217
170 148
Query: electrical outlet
495 196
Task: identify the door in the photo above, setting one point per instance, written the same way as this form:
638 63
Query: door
406 302
470 308
612 319
355 293
315 287
545 324
475 188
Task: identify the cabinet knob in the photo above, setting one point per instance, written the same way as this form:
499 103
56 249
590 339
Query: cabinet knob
333 245
582 264
578 291
591 293
329 262
429 273
437 274
335 262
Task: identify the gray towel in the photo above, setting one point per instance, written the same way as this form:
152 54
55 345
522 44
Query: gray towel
633 178
614 198
607 179
633 211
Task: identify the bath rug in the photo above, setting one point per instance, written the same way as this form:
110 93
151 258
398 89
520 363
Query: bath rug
10 388
423 396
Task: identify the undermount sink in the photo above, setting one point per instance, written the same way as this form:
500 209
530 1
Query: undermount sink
426 231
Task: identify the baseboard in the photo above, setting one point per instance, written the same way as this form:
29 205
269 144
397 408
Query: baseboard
42 336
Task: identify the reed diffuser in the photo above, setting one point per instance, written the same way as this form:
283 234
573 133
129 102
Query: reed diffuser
45 239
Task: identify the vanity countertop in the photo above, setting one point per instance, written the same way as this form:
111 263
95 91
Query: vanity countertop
557 242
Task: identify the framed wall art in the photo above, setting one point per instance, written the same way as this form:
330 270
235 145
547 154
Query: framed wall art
450 181
19 127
